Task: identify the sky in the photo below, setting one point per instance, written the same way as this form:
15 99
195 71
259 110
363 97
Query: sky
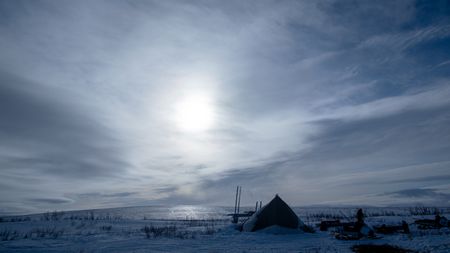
129 103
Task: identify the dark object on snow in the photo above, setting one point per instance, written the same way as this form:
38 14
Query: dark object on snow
324 225
442 221
385 229
425 224
385 248
438 222
355 230
348 235
276 212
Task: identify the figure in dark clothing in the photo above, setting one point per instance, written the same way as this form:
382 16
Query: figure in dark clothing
359 220
437 220
360 216
405 227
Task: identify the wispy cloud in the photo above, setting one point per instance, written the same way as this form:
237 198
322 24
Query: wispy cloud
52 201
414 193
398 42
314 100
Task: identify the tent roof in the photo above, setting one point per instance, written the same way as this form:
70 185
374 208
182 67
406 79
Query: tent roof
276 212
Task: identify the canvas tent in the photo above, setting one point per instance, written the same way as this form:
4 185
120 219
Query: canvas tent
276 212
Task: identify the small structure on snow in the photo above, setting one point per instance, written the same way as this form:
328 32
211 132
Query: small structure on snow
237 205
355 230
325 224
275 213
438 222
391 229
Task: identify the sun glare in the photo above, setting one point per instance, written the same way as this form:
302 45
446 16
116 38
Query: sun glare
194 113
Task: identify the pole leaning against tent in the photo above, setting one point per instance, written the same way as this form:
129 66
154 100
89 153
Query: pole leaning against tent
239 201
235 205
235 200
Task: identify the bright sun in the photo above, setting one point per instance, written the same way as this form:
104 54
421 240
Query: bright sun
194 113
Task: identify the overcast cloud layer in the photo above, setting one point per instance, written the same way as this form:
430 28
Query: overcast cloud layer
323 102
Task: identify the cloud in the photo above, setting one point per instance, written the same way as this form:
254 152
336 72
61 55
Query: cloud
106 195
402 41
52 201
443 178
354 158
418 193
317 101
419 100
48 142
42 134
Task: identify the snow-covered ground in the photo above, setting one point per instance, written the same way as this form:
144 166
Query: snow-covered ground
200 229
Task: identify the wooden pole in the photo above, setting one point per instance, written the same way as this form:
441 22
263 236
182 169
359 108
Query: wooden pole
239 201
256 206
235 216
235 200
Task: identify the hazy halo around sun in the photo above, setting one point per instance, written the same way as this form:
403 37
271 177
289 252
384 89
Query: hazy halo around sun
194 112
